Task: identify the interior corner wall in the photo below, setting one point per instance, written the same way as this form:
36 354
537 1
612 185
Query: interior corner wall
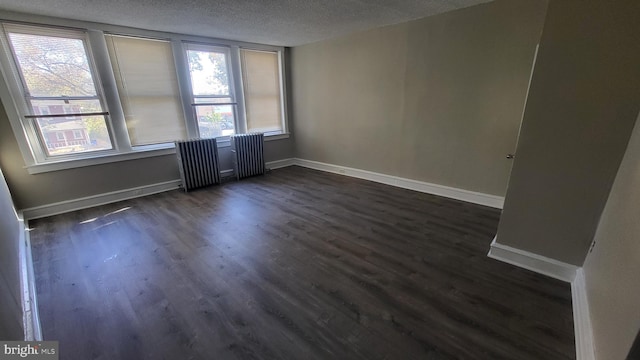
583 101
611 269
10 290
438 99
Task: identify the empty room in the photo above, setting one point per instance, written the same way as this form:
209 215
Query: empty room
276 179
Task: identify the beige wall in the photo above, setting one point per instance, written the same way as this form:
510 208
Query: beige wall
612 269
46 188
10 298
438 99
583 102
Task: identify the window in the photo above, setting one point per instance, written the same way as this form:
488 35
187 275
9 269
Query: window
145 74
212 92
82 97
262 90
55 72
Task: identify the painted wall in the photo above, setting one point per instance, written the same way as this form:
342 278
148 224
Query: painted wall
10 292
612 268
438 99
51 187
583 102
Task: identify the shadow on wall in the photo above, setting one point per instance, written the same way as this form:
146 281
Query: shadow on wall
634 354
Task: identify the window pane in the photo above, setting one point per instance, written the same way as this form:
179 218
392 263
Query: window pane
48 107
148 88
261 81
215 120
62 136
58 80
53 66
209 74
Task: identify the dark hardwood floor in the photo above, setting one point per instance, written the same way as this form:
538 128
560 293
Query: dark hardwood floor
297 264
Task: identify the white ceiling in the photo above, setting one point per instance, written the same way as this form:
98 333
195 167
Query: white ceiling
275 22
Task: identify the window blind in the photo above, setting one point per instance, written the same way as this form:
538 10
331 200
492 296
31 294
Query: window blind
262 95
148 88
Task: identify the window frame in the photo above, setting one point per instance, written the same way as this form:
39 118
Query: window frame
18 88
233 90
113 95
97 53
283 93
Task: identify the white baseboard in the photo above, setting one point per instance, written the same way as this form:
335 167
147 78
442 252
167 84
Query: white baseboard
110 197
421 186
585 349
277 164
30 315
100 199
114 196
562 271
530 261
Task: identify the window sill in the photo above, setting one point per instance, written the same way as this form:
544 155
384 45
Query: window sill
97 160
277 136
140 153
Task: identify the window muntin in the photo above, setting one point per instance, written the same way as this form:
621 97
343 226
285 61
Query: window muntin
55 72
213 99
145 75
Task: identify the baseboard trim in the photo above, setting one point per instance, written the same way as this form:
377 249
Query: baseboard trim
421 186
585 349
561 271
30 315
277 164
96 200
114 196
530 261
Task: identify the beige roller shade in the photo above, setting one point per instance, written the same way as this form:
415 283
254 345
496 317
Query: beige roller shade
262 95
148 86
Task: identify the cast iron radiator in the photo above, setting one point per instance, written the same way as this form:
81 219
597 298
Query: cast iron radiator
248 154
198 162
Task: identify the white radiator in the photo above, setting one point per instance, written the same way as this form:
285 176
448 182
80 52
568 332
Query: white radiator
248 154
198 163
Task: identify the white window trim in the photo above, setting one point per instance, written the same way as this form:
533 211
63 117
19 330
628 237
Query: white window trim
98 54
283 92
14 87
231 70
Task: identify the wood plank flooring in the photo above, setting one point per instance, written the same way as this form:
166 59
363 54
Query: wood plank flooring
296 264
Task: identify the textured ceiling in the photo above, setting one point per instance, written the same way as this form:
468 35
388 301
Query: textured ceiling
276 22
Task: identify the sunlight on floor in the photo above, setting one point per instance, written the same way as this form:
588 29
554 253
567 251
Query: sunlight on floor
111 213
